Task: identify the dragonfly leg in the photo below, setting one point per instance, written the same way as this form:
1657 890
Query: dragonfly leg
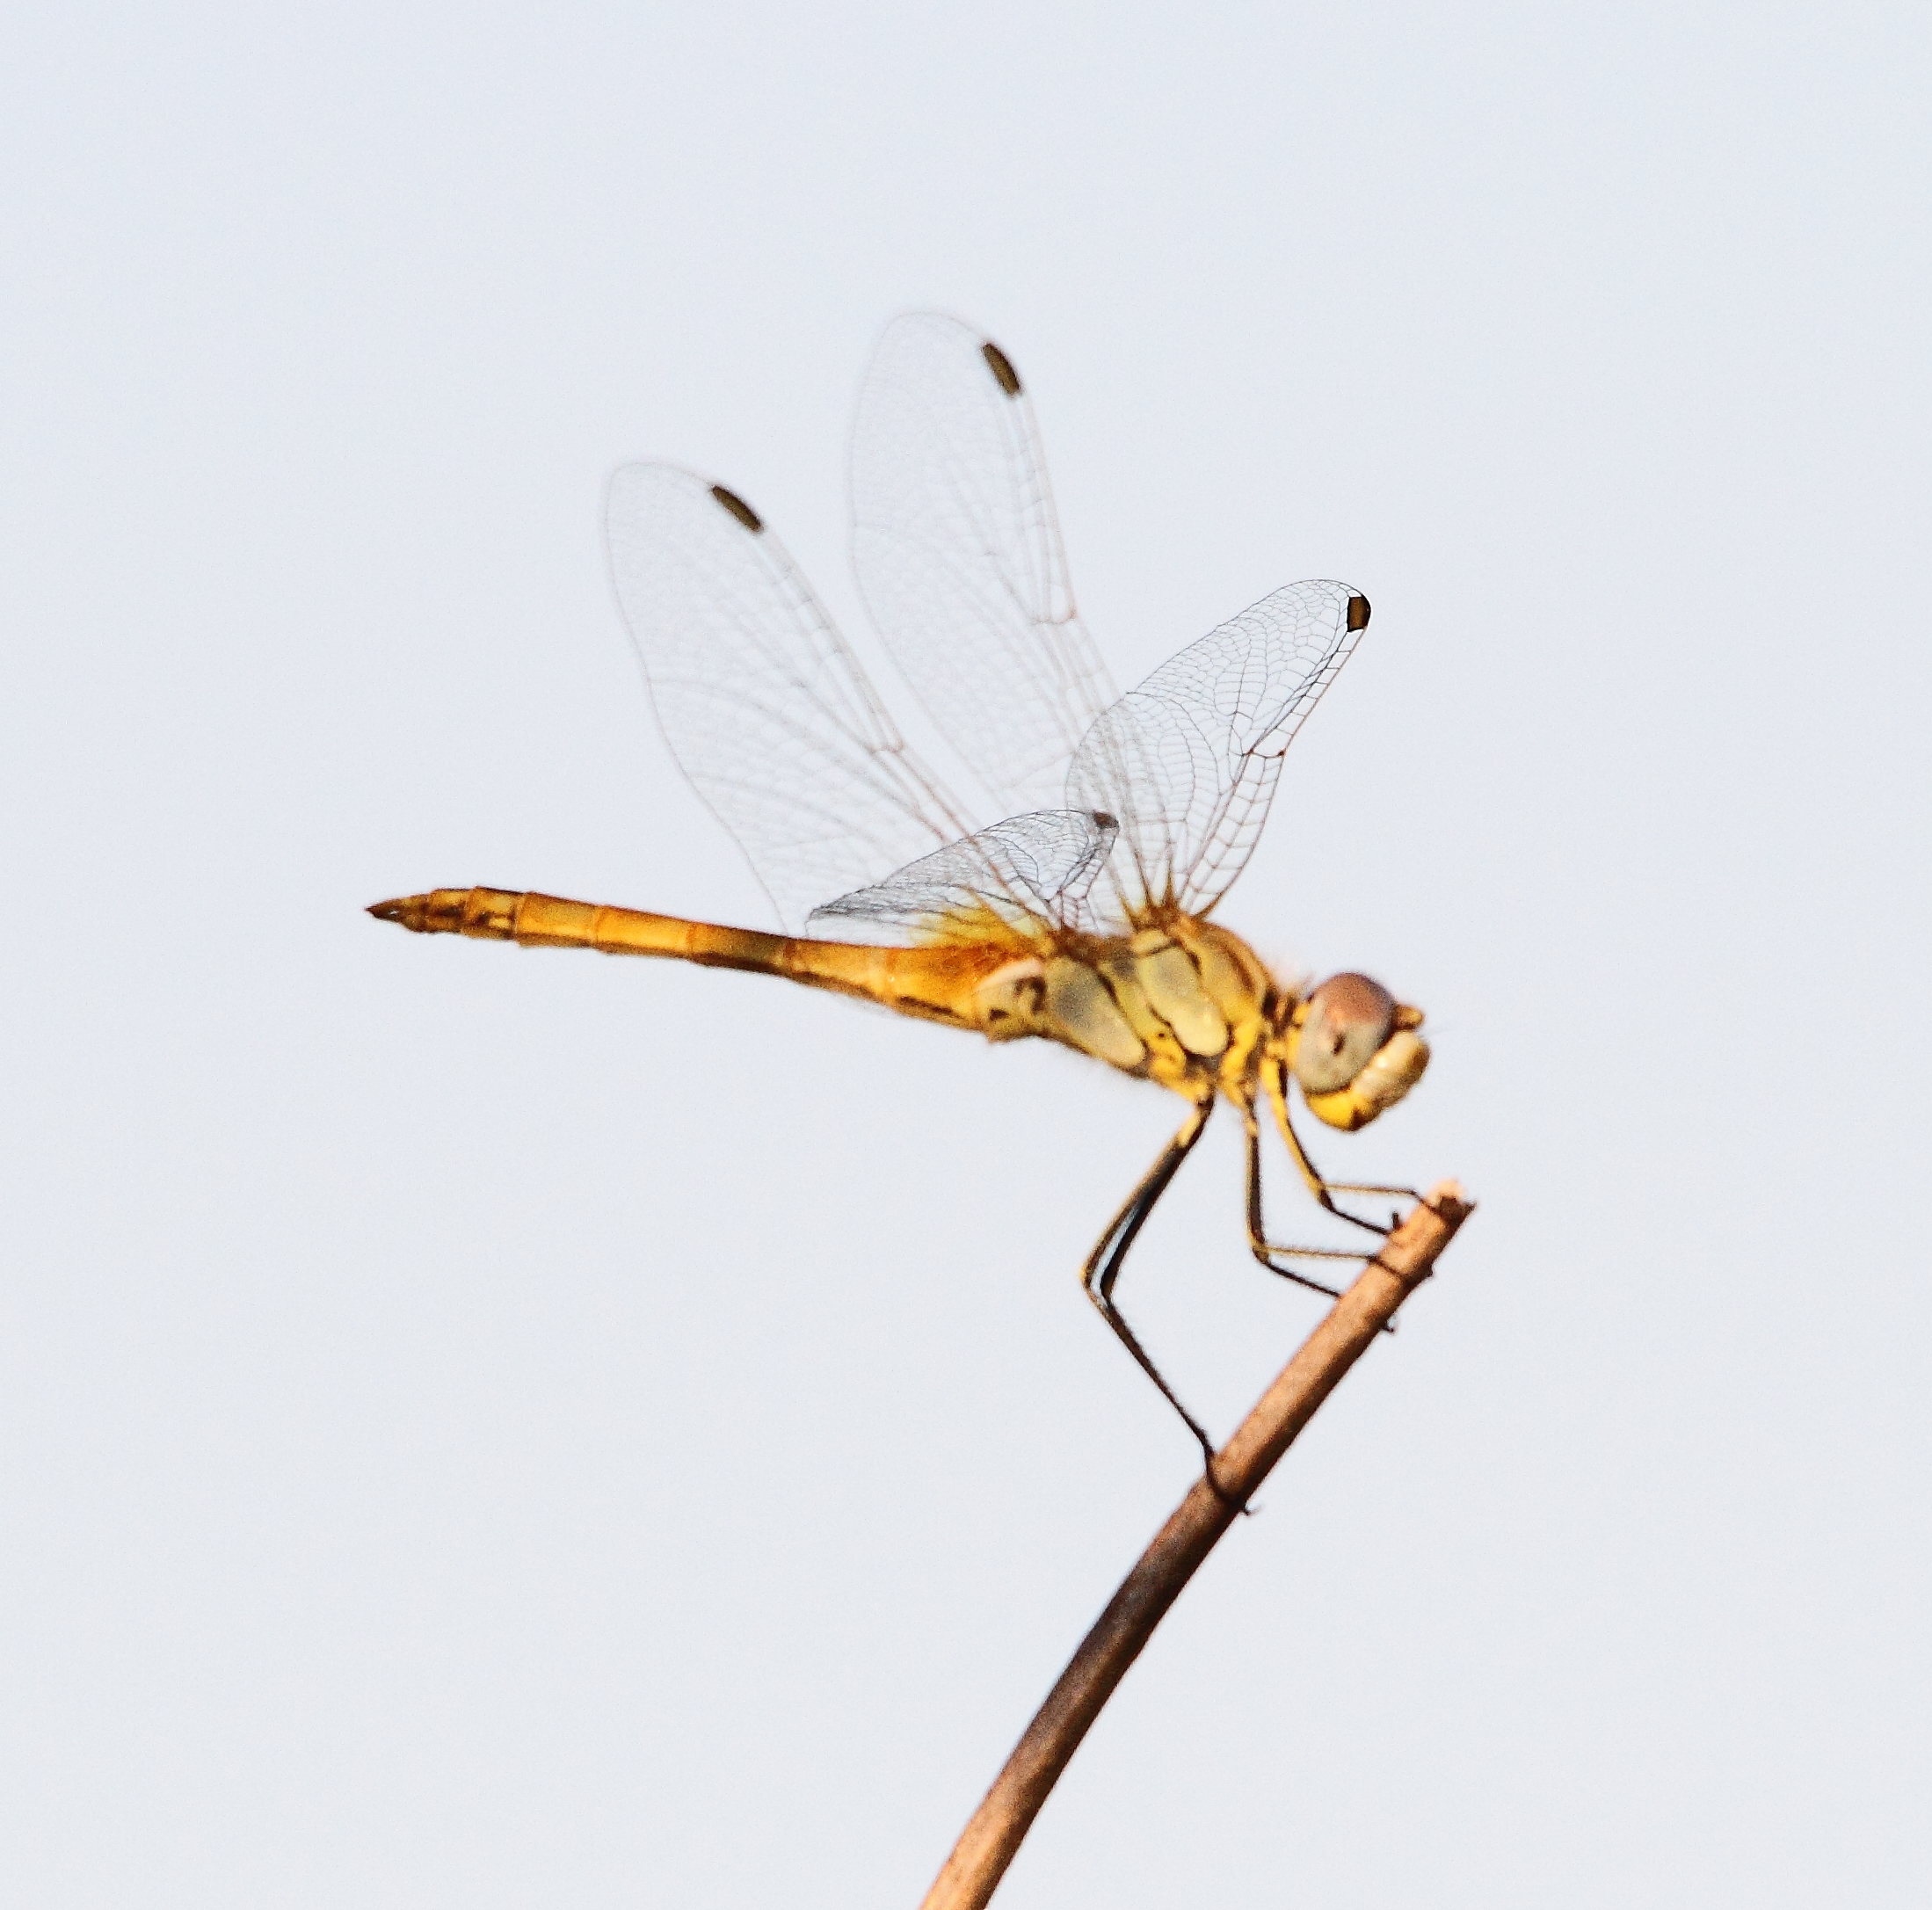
1257 1234
1257 1241
1103 1264
1324 1190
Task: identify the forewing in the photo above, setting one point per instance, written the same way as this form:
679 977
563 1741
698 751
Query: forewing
959 558
1024 874
1187 762
764 706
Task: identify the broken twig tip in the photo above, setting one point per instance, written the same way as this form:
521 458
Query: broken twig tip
1448 1199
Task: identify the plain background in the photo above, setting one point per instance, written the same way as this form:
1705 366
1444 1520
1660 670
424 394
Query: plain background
489 1429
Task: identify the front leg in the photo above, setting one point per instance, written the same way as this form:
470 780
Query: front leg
1274 1077
1271 1255
1258 1242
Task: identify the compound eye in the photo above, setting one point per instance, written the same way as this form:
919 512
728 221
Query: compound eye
1348 1020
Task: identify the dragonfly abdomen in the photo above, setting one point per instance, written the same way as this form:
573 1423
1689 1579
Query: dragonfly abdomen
940 984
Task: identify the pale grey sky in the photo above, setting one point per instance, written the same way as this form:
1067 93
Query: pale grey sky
489 1428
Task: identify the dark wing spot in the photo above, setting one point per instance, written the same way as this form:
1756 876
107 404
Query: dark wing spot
1002 368
1358 613
753 521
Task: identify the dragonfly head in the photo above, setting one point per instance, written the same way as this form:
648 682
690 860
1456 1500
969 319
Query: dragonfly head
1354 1048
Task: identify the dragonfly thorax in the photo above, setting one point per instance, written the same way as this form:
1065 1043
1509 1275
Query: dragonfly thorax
1179 1004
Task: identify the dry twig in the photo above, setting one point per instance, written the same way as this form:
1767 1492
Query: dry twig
989 1842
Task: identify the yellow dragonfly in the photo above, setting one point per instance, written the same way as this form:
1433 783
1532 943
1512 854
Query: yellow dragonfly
1082 918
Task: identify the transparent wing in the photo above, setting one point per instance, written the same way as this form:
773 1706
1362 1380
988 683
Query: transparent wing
1187 762
765 708
959 559
1028 871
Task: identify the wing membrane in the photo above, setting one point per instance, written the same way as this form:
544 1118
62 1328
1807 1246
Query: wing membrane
1028 871
959 559
1189 761
766 708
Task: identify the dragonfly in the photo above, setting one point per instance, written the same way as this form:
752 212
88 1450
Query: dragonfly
1083 915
